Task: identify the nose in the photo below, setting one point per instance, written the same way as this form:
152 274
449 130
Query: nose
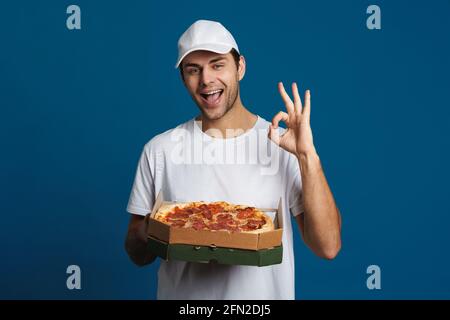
207 77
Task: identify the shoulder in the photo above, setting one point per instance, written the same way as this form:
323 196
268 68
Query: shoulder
167 139
262 123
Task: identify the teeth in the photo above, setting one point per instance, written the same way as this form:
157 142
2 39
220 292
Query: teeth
213 92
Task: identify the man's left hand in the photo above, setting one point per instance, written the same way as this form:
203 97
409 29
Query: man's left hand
297 138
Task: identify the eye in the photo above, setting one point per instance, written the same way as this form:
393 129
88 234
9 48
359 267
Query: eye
218 66
192 71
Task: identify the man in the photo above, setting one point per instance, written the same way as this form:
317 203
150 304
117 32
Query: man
221 155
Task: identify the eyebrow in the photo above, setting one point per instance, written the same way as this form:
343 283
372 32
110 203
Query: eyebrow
209 62
217 59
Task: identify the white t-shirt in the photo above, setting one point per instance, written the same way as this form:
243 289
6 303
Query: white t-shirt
187 164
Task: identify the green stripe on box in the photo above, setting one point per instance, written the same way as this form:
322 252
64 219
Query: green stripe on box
219 255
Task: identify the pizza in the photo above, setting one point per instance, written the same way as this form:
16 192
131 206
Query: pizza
214 216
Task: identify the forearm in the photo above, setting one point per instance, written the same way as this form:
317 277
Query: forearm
136 246
321 218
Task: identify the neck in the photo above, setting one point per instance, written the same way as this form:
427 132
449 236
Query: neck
236 121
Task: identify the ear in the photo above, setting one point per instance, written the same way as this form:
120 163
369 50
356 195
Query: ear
241 69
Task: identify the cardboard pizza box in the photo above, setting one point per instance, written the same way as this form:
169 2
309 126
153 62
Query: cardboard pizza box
224 239
205 254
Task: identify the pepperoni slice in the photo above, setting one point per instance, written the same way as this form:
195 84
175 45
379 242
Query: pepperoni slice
195 210
215 226
178 215
224 217
215 208
223 226
218 226
207 214
198 224
254 224
245 213
178 223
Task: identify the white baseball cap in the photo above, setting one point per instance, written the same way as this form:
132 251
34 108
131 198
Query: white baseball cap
205 35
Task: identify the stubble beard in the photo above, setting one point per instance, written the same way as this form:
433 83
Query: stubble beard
227 108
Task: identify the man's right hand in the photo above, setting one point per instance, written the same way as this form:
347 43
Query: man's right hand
136 243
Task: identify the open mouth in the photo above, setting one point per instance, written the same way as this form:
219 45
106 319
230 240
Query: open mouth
212 97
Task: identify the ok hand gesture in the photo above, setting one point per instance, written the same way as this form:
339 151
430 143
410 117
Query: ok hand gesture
297 139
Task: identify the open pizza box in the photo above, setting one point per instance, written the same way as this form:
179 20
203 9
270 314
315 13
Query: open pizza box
158 230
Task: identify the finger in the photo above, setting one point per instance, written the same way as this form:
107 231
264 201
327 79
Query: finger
297 100
287 100
274 135
307 107
280 116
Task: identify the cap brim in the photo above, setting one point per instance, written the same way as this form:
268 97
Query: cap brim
213 47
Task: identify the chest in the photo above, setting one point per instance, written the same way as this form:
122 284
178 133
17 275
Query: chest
241 184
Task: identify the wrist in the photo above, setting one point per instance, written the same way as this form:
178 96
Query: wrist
307 155
308 161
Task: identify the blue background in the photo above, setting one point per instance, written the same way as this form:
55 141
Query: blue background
78 106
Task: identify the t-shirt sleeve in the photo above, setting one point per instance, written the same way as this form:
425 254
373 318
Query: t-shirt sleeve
142 194
295 192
